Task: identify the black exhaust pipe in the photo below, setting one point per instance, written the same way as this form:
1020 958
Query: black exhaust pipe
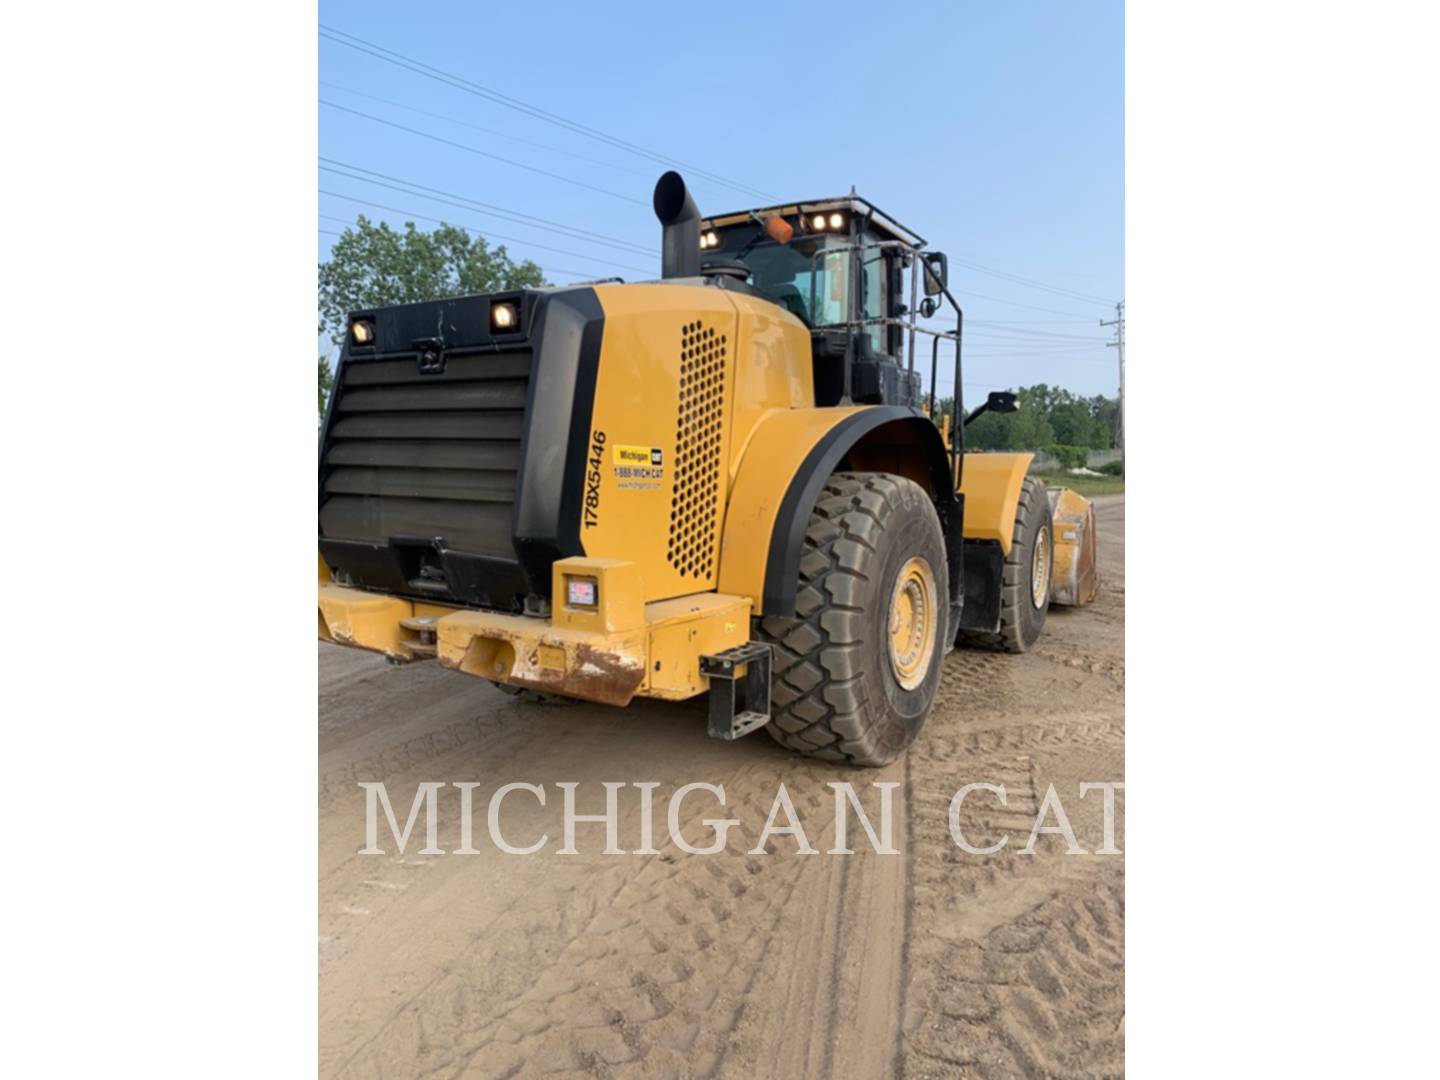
679 228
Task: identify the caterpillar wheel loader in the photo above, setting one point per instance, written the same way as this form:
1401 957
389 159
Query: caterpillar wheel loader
730 479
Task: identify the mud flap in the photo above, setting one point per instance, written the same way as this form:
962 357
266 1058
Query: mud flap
984 562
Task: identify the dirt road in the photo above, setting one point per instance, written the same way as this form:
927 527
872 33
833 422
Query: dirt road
930 962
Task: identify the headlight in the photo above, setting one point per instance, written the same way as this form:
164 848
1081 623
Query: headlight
504 317
710 239
818 222
836 221
362 332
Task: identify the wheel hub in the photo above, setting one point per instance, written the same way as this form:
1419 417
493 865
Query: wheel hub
914 621
1040 569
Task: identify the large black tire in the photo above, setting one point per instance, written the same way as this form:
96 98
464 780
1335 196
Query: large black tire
834 690
1021 619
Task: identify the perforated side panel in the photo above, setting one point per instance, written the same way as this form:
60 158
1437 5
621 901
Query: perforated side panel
694 506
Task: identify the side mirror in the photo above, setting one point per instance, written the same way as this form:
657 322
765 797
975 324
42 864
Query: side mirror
928 306
937 273
1000 401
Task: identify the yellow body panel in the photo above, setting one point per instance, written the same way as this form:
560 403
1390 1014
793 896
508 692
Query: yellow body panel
685 375
778 446
684 629
773 371
991 486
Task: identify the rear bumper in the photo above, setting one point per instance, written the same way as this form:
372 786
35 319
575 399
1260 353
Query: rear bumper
611 653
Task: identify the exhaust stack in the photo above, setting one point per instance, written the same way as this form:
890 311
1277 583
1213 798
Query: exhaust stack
679 228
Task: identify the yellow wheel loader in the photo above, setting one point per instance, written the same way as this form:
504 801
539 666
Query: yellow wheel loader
727 480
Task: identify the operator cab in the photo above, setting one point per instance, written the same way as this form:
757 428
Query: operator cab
840 266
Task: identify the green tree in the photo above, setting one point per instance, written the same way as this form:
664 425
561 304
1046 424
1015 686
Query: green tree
1048 415
375 266
327 380
1106 412
1075 425
988 432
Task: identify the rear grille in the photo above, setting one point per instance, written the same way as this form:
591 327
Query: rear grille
426 456
694 522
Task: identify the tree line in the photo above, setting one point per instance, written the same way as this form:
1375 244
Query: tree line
1050 419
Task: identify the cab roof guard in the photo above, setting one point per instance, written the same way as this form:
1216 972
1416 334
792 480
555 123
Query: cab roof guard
855 204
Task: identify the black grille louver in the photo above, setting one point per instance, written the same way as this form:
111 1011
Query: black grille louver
427 456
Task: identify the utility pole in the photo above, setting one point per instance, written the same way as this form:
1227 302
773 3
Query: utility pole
1119 346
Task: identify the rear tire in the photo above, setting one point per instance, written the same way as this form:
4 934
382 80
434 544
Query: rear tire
856 670
1032 544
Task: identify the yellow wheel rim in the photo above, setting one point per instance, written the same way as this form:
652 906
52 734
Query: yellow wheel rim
914 622
1040 569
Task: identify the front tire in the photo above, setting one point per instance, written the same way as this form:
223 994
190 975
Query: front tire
856 670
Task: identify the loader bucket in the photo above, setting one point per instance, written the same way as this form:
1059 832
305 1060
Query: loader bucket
1075 579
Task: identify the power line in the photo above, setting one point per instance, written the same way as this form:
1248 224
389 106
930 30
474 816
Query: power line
483 231
1029 322
1038 356
1011 343
1000 352
1016 303
354 42
484 130
484 153
1038 346
1035 336
545 269
359 44
1031 282
410 187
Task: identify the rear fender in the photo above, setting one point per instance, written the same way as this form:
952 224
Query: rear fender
991 486
786 464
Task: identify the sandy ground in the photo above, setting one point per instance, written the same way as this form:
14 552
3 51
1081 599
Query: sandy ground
932 962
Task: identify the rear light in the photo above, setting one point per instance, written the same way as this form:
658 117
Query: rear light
582 592
504 317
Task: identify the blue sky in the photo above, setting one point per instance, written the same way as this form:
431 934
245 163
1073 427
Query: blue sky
996 130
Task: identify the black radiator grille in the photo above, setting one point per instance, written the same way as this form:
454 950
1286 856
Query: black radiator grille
426 456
